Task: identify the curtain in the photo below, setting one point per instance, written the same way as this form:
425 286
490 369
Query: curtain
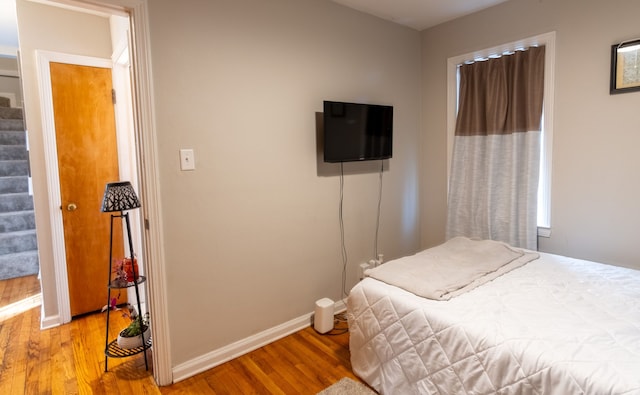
496 155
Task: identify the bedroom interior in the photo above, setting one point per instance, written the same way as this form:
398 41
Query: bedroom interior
256 240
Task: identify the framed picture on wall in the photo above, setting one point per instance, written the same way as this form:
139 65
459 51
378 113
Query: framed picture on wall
625 67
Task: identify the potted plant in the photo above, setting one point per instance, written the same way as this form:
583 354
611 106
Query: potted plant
130 337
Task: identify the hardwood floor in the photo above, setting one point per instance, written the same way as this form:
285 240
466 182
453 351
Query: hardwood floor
70 360
302 363
17 289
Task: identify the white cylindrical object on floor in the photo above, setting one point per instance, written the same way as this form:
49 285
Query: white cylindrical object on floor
323 320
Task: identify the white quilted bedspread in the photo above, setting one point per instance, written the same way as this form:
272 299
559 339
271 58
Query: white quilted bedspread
555 326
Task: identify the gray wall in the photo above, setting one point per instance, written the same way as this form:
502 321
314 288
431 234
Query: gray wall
252 235
9 83
595 186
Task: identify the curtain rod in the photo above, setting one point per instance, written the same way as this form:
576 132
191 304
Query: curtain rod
628 41
499 55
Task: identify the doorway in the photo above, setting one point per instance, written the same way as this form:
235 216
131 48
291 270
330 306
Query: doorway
69 255
19 263
142 145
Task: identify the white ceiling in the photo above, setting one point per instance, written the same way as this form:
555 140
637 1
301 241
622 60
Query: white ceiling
419 14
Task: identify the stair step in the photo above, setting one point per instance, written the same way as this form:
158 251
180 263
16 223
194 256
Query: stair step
10 113
21 241
19 264
15 202
13 152
13 137
10 168
5 102
14 184
11 124
18 241
17 221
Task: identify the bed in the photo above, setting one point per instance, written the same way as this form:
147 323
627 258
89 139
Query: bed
551 325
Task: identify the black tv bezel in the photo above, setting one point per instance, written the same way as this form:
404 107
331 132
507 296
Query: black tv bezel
359 159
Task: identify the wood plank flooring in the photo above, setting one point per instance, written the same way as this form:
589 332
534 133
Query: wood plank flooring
70 360
16 289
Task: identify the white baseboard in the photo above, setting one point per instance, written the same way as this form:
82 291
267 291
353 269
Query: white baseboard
20 306
217 357
51 321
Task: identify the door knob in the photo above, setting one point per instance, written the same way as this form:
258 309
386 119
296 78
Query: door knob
71 207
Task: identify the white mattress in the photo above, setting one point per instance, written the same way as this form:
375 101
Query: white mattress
555 326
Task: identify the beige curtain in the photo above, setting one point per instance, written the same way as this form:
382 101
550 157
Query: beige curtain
496 156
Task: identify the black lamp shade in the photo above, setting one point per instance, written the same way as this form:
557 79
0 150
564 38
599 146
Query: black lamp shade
119 196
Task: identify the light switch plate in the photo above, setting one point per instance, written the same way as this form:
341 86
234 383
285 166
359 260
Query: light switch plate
187 160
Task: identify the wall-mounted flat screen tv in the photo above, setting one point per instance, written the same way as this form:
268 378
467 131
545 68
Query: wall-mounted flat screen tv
356 132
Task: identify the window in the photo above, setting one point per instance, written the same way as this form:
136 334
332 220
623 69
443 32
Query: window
544 188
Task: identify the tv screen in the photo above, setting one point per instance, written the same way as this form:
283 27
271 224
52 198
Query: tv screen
355 132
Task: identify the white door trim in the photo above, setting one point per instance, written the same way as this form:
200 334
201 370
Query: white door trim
149 184
126 140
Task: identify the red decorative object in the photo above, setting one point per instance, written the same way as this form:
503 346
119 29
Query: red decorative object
130 267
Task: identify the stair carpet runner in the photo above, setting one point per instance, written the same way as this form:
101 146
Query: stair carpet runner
18 246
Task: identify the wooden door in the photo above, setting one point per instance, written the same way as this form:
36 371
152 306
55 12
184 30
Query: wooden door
87 161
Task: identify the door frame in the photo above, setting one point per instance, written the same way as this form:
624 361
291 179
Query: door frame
148 169
44 59
149 175
125 135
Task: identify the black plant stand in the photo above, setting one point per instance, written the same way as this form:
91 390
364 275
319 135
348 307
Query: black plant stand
111 349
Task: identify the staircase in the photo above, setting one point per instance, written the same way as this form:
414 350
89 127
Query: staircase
18 246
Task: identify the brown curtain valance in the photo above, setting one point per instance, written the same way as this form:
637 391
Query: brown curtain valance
502 95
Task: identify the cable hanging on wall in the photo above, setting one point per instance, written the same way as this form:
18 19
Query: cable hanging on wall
342 243
376 256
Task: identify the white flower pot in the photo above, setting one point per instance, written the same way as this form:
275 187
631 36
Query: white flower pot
133 342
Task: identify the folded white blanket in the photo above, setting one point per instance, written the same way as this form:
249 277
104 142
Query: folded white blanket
452 268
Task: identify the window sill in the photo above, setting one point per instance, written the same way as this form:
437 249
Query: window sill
544 232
